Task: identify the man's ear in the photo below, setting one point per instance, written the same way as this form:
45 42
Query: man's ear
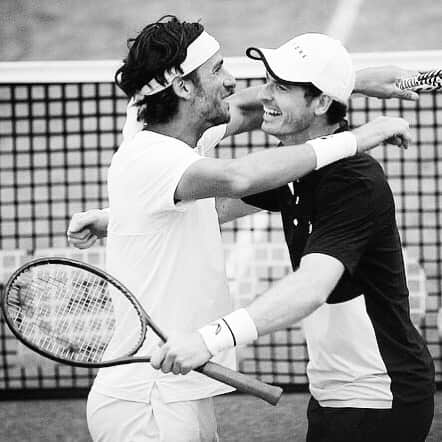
322 104
182 88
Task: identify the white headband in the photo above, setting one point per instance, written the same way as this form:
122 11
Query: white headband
198 52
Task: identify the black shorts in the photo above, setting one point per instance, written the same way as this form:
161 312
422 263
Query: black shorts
404 423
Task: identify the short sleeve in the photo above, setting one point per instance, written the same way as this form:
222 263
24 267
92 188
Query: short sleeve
145 173
167 167
343 222
211 138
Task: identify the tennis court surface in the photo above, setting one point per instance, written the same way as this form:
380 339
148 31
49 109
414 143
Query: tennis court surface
241 418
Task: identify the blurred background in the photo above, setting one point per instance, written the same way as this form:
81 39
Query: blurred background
94 30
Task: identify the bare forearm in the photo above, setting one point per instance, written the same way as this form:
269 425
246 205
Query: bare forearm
361 82
269 169
229 209
246 111
264 170
272 168
290 300
297 295
382 81
287 302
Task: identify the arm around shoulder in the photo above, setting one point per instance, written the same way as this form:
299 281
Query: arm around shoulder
272 168
247 175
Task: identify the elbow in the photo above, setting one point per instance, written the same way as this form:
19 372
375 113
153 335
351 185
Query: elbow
320 297
323 288
318 293
238 182
320 284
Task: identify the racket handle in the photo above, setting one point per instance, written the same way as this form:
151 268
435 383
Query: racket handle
242 382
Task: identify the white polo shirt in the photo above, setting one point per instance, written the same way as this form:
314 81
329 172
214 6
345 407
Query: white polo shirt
170 255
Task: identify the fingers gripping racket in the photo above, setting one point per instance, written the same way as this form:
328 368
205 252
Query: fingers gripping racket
423 82
70 311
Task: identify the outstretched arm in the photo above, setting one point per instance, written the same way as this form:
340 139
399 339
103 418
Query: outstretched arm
86 227
271 168
256 172
381 82
246 110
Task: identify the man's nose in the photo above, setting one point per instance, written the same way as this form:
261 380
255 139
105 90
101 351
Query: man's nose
230 83
264 93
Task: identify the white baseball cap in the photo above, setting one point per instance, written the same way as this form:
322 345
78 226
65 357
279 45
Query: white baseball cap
311 58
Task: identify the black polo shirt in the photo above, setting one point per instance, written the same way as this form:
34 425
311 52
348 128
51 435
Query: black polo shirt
364 350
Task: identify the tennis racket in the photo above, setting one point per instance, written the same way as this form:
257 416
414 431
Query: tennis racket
70 311
423 82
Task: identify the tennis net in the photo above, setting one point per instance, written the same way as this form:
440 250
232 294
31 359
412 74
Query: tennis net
59 126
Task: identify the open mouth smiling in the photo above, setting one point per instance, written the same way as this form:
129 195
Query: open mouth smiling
271 113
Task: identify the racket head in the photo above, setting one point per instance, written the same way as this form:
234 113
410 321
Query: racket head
64 310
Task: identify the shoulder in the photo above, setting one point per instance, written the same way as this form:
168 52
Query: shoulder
153 152
151 142
357 181
358 165
360 169
148 138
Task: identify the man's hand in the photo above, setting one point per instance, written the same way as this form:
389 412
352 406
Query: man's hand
86 227
181 353
381 82
390 130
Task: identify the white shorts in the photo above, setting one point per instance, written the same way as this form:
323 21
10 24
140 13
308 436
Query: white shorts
115 420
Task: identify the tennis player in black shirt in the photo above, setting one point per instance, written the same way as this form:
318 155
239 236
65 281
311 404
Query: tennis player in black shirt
371 376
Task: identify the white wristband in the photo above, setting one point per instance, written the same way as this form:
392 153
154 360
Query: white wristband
333 148
236 328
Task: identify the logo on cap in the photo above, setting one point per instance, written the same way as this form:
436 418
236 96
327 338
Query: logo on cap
217 326
300 51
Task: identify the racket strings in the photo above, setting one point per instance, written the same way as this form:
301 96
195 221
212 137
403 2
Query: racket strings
68 313
433 78
85 302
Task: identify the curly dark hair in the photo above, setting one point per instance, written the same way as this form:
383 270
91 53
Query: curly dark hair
157 48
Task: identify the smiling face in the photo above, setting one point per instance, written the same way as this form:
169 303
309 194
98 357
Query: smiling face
286 109
215 85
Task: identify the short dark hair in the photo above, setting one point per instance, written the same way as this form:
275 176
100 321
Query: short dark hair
337 110
158 47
